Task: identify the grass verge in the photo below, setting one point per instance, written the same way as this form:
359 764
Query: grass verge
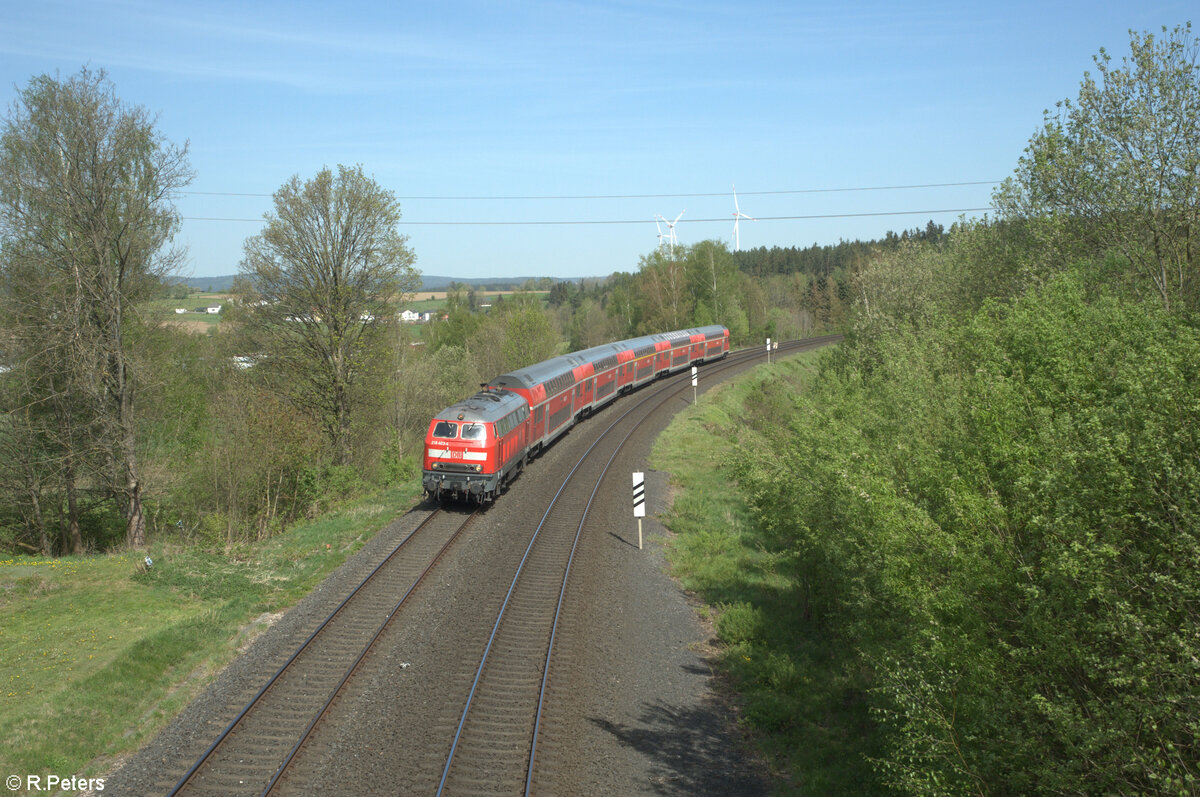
98 653
791 679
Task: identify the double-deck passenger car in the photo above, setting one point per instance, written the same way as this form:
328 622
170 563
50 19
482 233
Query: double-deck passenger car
557 393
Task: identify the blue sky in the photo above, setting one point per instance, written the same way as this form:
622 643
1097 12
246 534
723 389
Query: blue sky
604 111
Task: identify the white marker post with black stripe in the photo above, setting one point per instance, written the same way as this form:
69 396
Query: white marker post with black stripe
639 502
695 381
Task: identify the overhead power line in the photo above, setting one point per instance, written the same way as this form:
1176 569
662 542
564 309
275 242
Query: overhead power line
721 219
716 193
641 196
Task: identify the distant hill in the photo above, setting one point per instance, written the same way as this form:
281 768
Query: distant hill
429 282
207 284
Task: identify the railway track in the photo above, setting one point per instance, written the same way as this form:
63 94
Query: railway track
491 745
253 752
495 746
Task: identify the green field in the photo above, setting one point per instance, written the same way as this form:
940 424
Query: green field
98 653
164 309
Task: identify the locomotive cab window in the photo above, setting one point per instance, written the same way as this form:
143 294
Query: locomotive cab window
445 430
472 431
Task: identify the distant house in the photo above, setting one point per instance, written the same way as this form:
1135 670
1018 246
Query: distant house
409 317
213 309
180 311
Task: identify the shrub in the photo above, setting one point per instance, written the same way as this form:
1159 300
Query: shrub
1002 517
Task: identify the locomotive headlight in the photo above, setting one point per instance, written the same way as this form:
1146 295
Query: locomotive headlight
478 468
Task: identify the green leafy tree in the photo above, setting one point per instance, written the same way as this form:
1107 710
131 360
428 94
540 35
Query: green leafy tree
517 332
1118 169
326 276
714 281
591 326
460 322
697 285
664 293
622 305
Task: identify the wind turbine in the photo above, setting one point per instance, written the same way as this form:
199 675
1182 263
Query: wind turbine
670 229
661 235
737 215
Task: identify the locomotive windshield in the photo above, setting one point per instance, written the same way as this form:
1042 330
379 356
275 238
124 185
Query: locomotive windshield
472 431
446 430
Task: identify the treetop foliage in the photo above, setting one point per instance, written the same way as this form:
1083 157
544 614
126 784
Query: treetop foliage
1118 168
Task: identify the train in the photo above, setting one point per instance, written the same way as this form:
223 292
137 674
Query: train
476 447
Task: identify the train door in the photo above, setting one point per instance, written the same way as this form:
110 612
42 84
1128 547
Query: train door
583 397
539 422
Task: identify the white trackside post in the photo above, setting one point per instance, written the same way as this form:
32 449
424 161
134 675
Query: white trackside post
639 502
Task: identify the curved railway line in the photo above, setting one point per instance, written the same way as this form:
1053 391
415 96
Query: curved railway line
488 739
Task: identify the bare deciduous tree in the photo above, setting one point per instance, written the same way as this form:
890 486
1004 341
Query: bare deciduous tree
85 220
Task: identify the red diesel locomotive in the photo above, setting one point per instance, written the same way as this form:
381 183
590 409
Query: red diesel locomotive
475 447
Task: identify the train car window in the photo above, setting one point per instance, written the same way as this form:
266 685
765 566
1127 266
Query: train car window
445 430
510 422
472 431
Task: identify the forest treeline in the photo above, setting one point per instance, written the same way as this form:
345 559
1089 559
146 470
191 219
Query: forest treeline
988 503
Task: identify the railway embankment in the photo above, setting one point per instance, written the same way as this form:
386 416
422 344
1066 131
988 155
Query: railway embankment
779 673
